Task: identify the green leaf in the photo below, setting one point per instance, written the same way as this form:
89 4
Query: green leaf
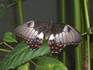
3 9
48 63
25 66
9 37
21 54
91 30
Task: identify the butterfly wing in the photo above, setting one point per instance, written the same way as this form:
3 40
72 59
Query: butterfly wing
32 32
63 35
58 35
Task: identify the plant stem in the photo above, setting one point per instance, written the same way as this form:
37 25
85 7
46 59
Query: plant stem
88 36
6 45
1 43
63 15
20 11
62 19
84 33
34 63
64 57
77 21
4 50
8 6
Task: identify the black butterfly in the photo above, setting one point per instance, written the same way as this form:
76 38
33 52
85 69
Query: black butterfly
58 35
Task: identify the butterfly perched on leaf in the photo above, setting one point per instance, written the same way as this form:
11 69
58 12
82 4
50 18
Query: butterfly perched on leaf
58 35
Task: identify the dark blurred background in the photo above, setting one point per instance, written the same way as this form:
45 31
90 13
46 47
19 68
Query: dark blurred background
43 10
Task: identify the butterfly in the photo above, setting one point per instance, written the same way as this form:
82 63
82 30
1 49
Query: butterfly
58 35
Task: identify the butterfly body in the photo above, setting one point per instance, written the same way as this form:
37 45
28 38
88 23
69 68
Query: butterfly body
58 35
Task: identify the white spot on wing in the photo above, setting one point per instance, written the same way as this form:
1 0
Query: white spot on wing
57 38
65 28
51 37
56 52
41 35
60 35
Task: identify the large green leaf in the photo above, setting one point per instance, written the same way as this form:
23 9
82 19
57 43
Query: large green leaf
48 63
20 54
9 37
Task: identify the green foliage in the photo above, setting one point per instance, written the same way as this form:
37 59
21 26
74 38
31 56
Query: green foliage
91 30
48 63
9 37
91 50
25 66
3 9
21 54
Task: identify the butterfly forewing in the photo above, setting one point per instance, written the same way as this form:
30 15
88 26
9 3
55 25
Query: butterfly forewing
32 32
63 35
76 35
